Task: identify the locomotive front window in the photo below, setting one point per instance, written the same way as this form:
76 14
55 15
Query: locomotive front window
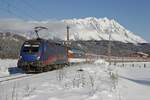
31 48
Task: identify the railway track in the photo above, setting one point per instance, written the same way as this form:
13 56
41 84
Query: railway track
19 76
14 77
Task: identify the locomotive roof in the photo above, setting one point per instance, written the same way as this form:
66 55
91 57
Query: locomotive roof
35 40
39 40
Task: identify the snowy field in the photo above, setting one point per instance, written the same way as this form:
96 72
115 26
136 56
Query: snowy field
78 82
134 81
128 81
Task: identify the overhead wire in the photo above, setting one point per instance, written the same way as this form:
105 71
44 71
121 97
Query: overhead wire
11 13
10 6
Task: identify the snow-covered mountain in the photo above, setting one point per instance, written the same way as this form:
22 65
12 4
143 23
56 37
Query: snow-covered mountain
99 29
89 28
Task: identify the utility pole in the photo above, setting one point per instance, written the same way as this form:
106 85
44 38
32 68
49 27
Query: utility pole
68 34
109 49
67 42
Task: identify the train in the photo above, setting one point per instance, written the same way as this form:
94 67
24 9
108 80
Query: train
40 55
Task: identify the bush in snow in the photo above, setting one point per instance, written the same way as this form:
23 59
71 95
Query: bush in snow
60 74
79 79
28 90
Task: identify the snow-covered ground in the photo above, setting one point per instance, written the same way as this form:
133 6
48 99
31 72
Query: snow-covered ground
81 82
77 82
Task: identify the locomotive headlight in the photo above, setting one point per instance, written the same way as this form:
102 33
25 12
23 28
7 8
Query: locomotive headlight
20 57
38 57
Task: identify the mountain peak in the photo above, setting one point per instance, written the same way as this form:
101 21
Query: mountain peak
99 29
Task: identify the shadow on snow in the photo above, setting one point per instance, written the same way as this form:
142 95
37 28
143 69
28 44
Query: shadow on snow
140 81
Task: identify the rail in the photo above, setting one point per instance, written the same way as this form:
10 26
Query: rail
13 77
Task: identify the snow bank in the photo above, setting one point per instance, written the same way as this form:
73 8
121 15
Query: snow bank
101 61
5 64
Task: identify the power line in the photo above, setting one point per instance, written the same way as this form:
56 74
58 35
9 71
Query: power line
14 7
11 13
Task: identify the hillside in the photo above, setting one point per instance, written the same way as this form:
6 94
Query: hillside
10 44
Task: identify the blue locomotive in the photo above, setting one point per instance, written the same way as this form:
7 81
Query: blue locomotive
38 55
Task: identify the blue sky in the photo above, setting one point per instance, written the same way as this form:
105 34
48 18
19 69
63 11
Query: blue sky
132 14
